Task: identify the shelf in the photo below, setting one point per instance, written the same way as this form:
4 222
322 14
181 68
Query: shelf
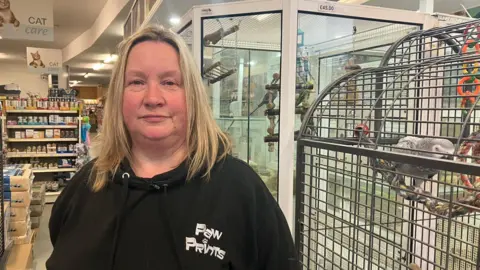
51 197
41 111
54 170
44 140
41 126
26 155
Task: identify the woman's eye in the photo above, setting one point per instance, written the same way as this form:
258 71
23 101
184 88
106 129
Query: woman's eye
135 82
169 83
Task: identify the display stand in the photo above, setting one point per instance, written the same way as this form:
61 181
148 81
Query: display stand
5 244
44 132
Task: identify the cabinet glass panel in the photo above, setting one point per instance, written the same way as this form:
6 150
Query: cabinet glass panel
241 57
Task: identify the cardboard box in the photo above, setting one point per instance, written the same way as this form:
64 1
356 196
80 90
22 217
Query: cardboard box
29 133
17 177
19 214
18 199
56 133
28 238
20 228
20 258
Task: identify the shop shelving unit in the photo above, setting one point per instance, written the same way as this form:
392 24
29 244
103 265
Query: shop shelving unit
42 173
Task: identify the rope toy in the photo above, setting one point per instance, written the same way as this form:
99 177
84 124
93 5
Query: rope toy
471 44
468 97
469 70
465 147
465 32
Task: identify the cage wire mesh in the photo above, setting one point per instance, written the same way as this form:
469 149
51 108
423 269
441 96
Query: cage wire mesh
431 44
387 160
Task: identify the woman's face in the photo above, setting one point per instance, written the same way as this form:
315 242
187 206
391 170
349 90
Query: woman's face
154 104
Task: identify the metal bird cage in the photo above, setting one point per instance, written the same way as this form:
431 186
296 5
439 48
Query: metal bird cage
430 44
357 205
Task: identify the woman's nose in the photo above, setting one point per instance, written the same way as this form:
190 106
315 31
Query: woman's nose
154 95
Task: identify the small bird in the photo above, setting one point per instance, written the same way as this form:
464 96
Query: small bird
302 96
434 147
266 100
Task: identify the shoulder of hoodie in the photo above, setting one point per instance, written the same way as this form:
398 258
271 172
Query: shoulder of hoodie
236 175
81 178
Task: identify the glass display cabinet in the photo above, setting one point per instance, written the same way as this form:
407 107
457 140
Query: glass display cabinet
241 57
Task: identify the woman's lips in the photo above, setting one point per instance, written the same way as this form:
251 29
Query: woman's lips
153 118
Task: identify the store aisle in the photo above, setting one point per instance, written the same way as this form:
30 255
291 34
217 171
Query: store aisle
43 248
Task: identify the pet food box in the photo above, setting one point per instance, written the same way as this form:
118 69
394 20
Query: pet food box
18 199
20 228
17 178
19 214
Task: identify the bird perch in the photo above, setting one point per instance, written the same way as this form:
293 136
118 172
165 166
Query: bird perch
460 207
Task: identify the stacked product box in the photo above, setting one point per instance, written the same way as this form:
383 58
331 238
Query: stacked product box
38 203
6 224
17 182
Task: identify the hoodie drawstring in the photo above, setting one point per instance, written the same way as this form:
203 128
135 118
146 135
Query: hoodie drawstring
119 218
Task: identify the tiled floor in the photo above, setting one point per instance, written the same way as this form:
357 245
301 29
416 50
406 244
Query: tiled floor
43 248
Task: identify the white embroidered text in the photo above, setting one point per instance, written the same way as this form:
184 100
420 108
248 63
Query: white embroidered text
203 247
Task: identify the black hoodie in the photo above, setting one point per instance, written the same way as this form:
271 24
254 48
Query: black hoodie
230 222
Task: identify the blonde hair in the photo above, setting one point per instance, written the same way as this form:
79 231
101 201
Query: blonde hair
206 142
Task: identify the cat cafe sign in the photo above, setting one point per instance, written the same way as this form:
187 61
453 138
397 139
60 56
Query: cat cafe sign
44 61
26 19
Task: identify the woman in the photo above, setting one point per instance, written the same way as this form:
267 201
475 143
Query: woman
163 192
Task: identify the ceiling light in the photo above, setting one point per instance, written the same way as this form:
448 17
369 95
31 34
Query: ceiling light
252 63
1 37
174 20
73 83
98 66
86 75
110 58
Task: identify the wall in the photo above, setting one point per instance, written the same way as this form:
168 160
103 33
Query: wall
102 91
87 92
19 74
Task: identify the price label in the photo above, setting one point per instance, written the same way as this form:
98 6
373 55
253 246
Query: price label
326 7
206 11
